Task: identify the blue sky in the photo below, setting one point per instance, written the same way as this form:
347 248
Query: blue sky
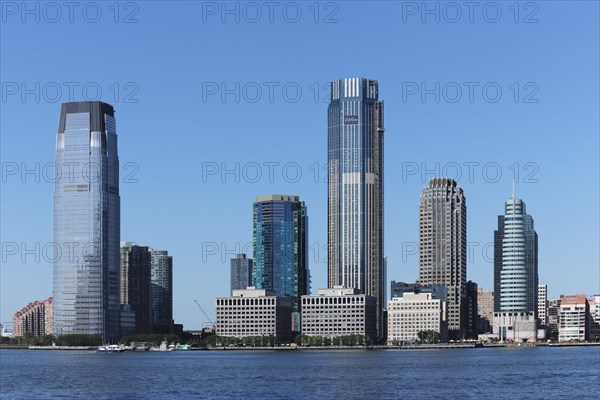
200 94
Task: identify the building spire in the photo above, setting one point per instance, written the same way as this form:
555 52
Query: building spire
514 189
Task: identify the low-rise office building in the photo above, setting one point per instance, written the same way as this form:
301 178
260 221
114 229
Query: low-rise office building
485 310
5 332
413 313
338 312
574 318
254 312
513 326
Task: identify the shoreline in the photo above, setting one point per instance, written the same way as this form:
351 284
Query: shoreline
453 346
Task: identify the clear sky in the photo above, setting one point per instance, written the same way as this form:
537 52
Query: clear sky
217 104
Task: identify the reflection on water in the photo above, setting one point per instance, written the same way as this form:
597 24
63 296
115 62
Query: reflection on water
335 374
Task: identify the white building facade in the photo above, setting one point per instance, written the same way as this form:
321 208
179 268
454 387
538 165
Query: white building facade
339 312
254 312
543 304
413 313
574 318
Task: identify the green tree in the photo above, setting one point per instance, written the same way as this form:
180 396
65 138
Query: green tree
210 341
428 336
44 340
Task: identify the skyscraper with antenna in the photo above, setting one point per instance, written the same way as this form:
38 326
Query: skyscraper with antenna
515 273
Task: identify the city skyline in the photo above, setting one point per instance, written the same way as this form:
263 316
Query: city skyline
180 138
95 120
310 198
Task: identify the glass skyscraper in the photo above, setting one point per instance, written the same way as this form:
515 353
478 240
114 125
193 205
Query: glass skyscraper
515 260
87 222
240 272
355 189
443 248
515 274
280 237
161 278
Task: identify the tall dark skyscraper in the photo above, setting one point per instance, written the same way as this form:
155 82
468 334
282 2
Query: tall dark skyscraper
443 248
355 189
135 284
161 292
280 237
87 222
472 316
515 273
240 272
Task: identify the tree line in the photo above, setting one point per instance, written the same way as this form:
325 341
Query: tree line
28 339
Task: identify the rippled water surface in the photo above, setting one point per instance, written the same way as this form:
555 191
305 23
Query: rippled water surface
509 373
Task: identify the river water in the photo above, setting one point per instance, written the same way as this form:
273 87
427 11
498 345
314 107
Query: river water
499 373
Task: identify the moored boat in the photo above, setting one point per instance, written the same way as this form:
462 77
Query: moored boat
111 348
163 347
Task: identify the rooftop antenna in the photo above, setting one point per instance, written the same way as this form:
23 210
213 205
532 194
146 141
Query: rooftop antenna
514 188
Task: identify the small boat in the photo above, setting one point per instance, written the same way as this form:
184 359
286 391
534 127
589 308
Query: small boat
140 346
111 348
182 347
163 347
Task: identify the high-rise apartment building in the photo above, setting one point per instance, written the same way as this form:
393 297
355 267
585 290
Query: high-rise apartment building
135 284
280 237
443 248
35 318
515 274
240 272
161 291
472 316
355 190
542 301
87 222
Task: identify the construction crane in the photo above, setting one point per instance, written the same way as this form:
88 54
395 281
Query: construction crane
206 315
